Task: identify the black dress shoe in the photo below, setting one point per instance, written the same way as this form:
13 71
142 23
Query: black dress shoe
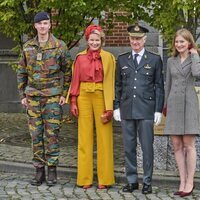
130 187
147 189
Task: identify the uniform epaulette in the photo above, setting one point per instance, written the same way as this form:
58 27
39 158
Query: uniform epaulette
153 52
28 42
124 53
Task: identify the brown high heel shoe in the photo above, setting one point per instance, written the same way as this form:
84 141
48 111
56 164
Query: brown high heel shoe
101 187
87 186
185 194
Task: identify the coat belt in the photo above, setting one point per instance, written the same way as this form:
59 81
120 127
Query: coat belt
91 86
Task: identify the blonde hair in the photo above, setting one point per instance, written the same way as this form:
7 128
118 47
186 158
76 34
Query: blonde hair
187 35
101 34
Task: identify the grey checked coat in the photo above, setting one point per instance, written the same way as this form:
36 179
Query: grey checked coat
180 96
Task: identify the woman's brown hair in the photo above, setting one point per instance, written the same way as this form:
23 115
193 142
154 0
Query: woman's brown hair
187 35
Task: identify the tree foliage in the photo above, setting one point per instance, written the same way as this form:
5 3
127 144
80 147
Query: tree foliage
167 16
72 16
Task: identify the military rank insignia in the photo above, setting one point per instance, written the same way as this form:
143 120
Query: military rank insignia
147 66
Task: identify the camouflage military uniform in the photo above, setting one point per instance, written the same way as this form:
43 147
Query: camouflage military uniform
40 81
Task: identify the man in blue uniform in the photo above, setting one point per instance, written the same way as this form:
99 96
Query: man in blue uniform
138 105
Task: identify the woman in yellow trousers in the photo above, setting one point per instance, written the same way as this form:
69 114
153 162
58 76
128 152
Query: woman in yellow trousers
91 101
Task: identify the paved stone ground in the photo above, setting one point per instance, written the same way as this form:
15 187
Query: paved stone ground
16 187
16 169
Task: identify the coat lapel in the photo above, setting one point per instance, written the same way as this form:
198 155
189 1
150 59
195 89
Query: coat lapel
177 64
183 68
144 60
130 61
186 65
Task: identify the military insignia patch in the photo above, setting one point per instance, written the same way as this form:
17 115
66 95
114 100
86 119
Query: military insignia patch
39 56
147 66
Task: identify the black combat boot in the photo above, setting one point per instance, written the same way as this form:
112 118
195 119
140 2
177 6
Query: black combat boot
39 177
52 176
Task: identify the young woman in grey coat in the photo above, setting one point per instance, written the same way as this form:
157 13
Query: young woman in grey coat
182 120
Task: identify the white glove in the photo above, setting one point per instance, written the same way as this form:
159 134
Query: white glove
116 115
157 118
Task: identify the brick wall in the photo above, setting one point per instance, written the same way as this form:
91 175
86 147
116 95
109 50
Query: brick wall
115 37
118 36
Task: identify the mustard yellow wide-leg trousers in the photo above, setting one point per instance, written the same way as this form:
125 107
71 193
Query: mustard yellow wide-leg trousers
91 106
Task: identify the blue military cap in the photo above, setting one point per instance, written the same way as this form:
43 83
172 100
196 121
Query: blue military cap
41 16
137 31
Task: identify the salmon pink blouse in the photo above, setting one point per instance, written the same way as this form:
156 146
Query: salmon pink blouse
87 68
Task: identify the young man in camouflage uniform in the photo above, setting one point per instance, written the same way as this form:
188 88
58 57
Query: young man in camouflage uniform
43 93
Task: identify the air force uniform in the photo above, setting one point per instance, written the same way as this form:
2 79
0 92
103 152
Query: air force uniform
139 92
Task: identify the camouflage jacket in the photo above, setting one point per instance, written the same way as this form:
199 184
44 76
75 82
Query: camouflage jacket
44 71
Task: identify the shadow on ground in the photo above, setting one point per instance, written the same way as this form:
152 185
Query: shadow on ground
14 130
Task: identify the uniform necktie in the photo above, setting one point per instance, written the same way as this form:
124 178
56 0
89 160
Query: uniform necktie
135 60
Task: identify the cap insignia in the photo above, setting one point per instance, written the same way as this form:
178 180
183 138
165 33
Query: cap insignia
137 28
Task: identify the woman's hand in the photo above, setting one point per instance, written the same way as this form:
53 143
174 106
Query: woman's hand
107 116
73 107
193 51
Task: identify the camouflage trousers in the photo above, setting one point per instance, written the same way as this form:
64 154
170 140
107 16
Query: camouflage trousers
44 120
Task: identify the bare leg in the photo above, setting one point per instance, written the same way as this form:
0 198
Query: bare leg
190 150
180 159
